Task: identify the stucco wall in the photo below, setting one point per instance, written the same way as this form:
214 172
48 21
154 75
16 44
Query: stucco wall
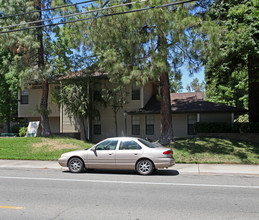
68 124
180 125
29 110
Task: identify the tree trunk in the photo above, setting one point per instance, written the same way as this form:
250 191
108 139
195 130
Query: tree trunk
45 85
253 99
83 122
7 123
166 135
44 109
116 122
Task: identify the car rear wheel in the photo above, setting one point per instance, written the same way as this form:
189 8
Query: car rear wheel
144 167
76 165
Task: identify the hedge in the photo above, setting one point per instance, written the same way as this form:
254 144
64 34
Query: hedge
216 127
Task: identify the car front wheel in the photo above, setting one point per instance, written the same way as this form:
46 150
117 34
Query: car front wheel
145 167
76 165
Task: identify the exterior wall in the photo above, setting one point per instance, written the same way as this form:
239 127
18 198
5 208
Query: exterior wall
216 117
61 123
180 125
107 115
148 92
29 110
108 126
67 124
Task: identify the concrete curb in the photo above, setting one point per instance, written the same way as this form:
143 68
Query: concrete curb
237 169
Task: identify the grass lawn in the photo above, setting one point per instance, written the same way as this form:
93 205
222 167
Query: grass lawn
215 150
38 148
188 150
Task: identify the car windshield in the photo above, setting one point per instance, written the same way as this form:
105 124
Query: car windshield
147 143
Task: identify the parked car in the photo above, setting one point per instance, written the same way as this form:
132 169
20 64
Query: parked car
119 153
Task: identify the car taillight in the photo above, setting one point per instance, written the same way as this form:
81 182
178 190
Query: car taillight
168 152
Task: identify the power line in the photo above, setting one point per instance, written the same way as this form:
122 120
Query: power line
101 16
47 9
70 15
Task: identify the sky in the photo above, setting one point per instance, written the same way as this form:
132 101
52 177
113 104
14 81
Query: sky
187 79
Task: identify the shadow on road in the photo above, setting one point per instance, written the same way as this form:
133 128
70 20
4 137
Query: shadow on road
128 172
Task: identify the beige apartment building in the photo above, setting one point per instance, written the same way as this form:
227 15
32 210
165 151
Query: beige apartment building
139 117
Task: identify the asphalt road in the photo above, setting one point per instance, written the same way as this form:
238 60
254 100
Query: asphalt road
53 194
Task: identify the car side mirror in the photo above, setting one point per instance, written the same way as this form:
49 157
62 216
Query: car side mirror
93 149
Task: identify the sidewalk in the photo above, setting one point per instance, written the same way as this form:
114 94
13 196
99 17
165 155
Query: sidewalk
181 168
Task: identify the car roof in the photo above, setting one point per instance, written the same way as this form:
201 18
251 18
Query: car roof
123 138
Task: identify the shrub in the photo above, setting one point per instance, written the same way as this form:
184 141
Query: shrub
22 131
16 128
215 127
212 127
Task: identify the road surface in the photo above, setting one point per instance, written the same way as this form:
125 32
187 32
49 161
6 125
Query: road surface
55 194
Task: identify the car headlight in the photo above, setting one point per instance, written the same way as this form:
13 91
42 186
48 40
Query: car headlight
63 155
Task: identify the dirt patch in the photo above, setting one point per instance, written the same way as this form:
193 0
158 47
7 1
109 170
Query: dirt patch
54 145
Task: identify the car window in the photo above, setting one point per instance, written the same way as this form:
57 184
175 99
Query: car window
129 145
147 143
107 145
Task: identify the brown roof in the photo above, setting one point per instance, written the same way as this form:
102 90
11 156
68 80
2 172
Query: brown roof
83 73
187 95
188 103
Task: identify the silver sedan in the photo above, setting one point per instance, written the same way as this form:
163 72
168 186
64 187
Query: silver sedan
120 153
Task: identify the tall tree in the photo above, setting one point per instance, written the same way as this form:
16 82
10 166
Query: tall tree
8 88
196 86
234 43
140 47
33 49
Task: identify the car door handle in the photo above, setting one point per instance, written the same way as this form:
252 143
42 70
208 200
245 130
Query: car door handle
135 153
110 153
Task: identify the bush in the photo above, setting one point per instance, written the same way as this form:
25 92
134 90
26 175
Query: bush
251 127
212 127
215 127
16 128
22 131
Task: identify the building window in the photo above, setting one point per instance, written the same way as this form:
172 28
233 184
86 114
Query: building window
97 125
191 120
25 96
149 125
135 93
135 125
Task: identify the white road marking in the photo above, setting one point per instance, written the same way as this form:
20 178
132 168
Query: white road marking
130 182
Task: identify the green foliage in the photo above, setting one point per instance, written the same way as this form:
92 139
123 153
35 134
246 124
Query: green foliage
73 95
8 86
196 86
212 127
237 127
143 46
16 128
232 28
22 131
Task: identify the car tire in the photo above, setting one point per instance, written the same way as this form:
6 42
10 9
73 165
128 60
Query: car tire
76 165
144 167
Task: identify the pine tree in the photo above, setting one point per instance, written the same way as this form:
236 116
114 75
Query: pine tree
143 46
